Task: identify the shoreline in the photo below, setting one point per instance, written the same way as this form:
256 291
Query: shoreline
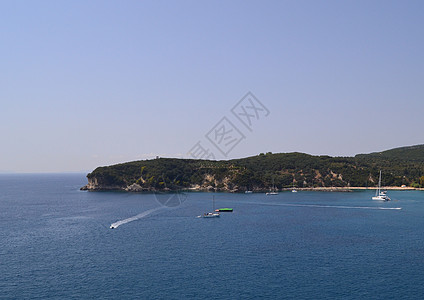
306 189
351 189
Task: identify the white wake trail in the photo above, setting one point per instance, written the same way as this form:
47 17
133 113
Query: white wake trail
135 218
343 207
329 206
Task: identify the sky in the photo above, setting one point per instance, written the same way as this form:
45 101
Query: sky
93 83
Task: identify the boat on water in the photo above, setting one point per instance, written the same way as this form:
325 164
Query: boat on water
294 189
382 196
248 192
273 191
211 214
379 194
226 209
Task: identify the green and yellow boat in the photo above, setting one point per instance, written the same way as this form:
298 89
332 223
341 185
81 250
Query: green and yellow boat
226 209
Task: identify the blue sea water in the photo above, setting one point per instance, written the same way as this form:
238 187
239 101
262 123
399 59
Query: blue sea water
56 244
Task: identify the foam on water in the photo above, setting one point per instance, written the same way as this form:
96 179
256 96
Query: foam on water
135 218
328 206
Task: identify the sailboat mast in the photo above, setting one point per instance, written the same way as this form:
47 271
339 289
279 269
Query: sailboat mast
379 184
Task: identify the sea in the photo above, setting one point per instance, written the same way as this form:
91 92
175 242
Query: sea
56 242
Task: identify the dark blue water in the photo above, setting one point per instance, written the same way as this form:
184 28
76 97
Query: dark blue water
56 243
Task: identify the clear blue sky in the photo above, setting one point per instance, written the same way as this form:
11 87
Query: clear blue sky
89 83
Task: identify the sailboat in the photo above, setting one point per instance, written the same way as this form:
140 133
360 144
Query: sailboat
212 214
248 191
294 189
273 191
379 194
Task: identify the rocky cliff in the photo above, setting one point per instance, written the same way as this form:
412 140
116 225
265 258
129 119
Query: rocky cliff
402 166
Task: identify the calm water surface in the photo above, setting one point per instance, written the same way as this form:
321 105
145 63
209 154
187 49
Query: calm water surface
56 243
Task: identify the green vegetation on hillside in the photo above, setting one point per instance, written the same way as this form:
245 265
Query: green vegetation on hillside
401 166
410 153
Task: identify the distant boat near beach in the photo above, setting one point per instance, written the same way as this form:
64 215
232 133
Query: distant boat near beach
273 191
379 194
294 189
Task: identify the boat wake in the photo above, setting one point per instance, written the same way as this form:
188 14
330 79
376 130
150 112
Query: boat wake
330 206
345 207
135 218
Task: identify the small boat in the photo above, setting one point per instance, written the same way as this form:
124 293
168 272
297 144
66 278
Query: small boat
112 227
224 210
379 194
248 192
211 214
294 189
273 191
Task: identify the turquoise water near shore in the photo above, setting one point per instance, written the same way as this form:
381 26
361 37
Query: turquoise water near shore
56 243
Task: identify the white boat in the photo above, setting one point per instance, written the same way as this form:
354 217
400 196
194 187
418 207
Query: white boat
211 214
379 194
294 189
248 192
273 191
